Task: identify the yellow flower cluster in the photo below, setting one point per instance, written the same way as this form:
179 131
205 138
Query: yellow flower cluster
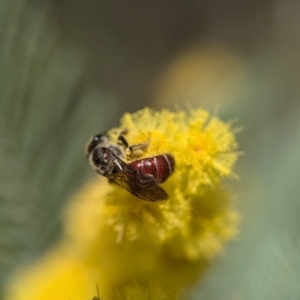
133 249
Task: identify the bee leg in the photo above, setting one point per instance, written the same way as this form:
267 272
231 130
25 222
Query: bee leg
138 147
122 141
136 151
133 151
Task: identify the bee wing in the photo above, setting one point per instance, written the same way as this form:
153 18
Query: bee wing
143 186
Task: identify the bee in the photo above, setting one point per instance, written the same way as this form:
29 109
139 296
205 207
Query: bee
140 177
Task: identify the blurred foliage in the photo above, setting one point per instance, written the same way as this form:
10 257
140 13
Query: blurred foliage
241 58
46 117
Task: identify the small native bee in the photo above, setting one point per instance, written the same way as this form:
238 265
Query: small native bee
140 177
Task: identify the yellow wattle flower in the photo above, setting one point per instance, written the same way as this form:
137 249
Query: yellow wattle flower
133 249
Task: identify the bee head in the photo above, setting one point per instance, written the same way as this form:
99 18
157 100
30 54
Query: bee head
98 140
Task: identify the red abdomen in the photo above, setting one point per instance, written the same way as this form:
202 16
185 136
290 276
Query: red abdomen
160 166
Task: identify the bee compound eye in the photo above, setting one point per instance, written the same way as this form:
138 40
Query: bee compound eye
97 158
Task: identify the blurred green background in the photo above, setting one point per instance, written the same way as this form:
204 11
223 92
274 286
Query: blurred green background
70 69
